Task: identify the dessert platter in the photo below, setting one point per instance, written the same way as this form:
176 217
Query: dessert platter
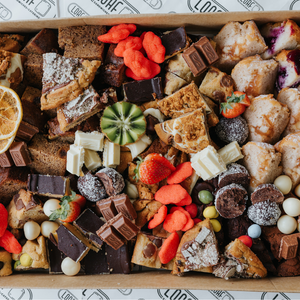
127 148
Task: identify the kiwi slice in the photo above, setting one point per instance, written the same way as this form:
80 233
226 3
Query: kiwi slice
123 123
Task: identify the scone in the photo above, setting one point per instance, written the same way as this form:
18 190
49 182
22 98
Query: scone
291 98
255 76
267 118
197 250
23 207
262 163
188 133
236 41
279 36
288 72
5 263
217 85
187 99
64 79
239 262
289 147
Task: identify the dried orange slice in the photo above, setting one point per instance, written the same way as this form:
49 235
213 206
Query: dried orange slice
11 112
5 144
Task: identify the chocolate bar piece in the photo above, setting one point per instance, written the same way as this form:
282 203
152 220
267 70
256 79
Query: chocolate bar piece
175 41
107 208
96 263
289 246
88 223
194 60
204 46
125 227
26 131
110 236
48 185
55 257
123 205
71 245
20 154
143 90
6 160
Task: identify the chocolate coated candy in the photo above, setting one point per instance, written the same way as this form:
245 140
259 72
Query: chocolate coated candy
200 187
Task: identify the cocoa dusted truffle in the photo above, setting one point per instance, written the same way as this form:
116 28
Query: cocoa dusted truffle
231 201
91 187
112 181
230 130
264 213
235 173
266 192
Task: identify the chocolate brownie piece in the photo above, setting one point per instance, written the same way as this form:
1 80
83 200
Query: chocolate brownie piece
290 267
33 70
266 192
237 226
43 42
81 41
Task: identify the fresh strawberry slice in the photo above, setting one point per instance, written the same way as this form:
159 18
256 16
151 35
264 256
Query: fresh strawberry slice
10 243
3 219
80 200
68 211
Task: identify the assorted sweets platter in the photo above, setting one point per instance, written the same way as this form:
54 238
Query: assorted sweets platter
128 146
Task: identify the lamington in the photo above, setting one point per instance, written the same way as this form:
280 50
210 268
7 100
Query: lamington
289 147
262 163
11 42
255 76
76 111
11 68
186 100
188 133
217 85
291 98
279 36
267 118
81 41
64 79
23 207
236 41
48 157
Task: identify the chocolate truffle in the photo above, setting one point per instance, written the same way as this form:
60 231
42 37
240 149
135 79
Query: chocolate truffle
266 192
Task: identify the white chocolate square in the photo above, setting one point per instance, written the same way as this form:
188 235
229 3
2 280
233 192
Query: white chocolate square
231 153
75 159
91 159
89 140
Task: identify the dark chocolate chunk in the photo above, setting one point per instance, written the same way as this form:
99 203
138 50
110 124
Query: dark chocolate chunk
231 201
110 236
34 201
237 227
194 61
96 263
149 250
266 192
18 202
157 242
20 154
107 208
112 180
123 205
55 258
26 131
143 90
70 244
6 160
204 46
175 41
235 173
48 185
119 260
88 223
151 122
127 229
91 187
289 246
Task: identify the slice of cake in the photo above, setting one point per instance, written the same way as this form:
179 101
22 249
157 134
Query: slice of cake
33 70
198 250
81 41
78 110
185 100
188 133
64 79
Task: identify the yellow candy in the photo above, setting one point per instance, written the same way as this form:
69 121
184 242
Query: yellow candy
25 260
210 212
216 225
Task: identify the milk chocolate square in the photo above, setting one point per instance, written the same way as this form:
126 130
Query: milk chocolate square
20 154
107 208
6 160
123 205
127 229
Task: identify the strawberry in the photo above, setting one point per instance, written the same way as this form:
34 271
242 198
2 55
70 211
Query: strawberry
153 168
235 105
80 200
68 211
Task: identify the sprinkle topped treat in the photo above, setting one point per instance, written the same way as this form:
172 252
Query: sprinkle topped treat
150 157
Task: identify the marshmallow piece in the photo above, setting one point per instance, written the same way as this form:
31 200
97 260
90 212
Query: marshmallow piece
208 163
111 154
139 146
91 159
89 140
231 153
75 159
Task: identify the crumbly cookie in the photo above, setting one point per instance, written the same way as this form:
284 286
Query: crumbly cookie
5 263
